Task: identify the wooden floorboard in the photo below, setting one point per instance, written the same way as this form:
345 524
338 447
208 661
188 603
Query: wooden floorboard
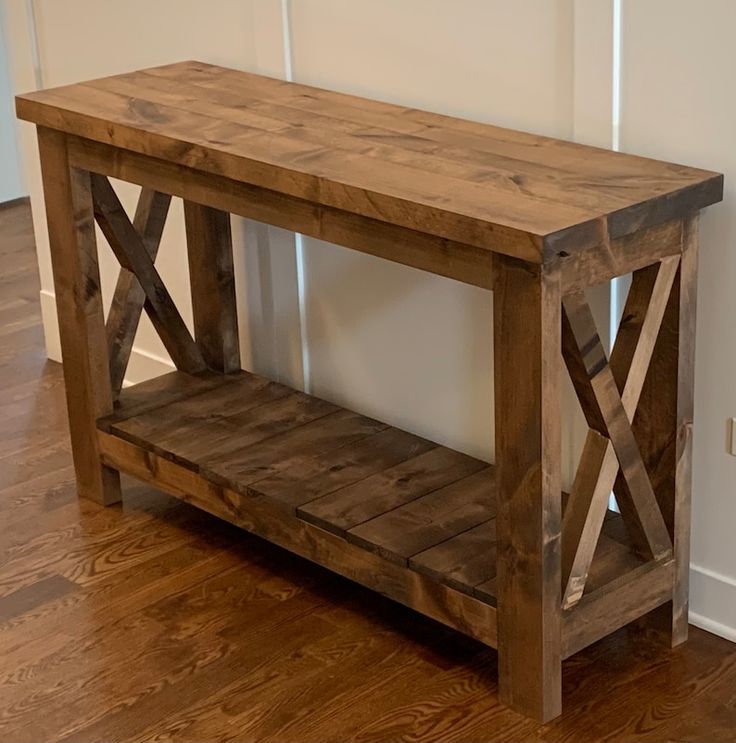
151 620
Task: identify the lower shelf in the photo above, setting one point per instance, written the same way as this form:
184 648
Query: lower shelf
392 510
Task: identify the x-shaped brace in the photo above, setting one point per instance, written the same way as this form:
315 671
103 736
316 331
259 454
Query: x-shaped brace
139 284
609 394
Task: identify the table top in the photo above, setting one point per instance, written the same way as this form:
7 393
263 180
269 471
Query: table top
511 192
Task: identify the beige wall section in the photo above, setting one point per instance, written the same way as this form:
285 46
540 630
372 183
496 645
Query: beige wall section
677 103
140 33
593 72
126 36
405 346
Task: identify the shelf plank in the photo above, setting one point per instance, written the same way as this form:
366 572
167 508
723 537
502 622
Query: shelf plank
422 507
197 415
197 436
311 478
464 561
239 467
344 509
453 608
160 392
420 524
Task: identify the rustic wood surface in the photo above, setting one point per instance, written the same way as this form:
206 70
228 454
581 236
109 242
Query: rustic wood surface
536 219
453 259
521 194
73 246
427 252
210 252
152 620
412 502
584 514
664 421
527 336
433 598
604 410
678 505
596 476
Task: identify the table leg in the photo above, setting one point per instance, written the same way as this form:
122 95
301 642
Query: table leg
683 459
70 217
210 251
527 349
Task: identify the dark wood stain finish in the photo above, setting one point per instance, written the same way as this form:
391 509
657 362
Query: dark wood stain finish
499 553
210 251
154 619
190 635
521 194
70 217
129 297
527 321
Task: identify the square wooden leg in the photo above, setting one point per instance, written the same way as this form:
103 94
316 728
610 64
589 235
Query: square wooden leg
70 217
527 348
210 251
687 291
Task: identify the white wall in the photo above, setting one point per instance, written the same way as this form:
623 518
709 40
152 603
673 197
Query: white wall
678 103
11 182
405 346
142 33
126 36
388 340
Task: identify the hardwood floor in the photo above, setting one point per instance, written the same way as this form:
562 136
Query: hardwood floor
152 621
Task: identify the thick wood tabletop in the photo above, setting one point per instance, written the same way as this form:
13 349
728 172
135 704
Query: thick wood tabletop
507 191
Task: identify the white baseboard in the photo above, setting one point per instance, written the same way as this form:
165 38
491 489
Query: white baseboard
713 602
50 325
143 364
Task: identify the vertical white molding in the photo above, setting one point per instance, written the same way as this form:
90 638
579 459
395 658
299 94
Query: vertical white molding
267 258
33 39
593 72
301 288
11 177
27 74
298 238
286 39
619 286
592 124
616 75
267 36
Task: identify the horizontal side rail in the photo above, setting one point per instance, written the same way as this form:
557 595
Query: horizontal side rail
616 604
465 263
440 602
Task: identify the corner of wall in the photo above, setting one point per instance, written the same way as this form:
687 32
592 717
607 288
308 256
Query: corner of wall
716 594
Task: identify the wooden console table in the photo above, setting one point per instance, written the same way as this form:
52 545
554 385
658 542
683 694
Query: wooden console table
499 553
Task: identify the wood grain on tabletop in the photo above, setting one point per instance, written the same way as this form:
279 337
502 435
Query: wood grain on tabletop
522 194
